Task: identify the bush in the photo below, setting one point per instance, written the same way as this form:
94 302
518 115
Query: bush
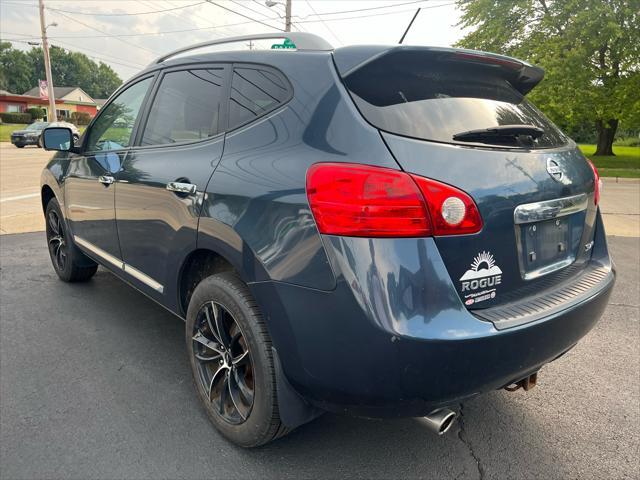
15 117
627 142
36 113
80 118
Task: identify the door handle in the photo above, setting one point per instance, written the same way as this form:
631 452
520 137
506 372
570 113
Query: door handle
178 187
106 179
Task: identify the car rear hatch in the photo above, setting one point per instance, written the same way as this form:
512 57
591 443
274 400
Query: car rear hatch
461 117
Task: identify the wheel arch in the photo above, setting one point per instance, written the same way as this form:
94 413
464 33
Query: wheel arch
46 194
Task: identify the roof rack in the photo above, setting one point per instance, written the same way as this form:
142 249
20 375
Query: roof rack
302 41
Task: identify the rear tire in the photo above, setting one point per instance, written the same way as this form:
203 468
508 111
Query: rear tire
19 146
70 264
222 311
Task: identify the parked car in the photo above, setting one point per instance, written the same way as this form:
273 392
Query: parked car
28 136
380 231
31 135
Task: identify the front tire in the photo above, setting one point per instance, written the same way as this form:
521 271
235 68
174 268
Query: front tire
70 264
231 361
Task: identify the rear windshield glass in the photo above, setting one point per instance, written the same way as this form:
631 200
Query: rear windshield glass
435 96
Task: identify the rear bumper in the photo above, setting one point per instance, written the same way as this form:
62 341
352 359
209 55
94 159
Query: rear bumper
394 339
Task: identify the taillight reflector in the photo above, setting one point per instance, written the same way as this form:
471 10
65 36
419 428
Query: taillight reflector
365 201
597 183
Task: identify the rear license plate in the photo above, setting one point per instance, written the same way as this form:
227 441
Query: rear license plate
549 245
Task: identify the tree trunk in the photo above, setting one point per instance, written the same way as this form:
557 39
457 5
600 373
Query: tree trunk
606 133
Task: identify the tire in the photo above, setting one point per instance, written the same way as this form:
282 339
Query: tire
68 261
228 301
19 146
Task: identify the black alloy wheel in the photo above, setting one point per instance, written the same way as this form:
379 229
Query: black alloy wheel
58 247
223 362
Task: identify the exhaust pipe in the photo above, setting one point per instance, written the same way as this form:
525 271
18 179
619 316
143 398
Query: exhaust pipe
439 421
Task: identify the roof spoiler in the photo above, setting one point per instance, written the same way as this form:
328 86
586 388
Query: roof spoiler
522 75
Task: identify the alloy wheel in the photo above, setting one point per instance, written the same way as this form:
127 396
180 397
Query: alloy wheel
56 240
223 363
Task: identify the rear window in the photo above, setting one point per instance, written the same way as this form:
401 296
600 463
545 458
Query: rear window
434 96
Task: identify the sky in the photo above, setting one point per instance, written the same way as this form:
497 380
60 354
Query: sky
130 34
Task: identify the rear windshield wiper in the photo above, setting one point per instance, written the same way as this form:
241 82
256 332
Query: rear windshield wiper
501 134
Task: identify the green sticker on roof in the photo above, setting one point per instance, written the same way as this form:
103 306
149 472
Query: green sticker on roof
287 44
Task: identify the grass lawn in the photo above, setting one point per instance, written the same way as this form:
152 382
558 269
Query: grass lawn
625 163
7 128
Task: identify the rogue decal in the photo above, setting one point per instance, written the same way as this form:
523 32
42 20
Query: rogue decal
481 279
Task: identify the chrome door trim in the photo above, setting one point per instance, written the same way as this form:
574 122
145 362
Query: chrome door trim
106 179
146 279
134 272
187 188
99 252
558 207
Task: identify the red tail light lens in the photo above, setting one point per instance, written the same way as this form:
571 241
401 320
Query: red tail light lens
597 183
365 201
453 212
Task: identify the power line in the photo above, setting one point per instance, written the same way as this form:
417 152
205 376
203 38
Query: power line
255 11
323 22
243 15
126 14
78 49
107 34
367 9
375 14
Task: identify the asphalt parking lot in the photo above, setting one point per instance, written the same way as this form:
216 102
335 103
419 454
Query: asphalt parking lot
95 384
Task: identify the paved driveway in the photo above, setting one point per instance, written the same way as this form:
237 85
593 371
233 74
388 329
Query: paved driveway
94 383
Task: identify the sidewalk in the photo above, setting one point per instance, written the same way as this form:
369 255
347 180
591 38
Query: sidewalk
620 206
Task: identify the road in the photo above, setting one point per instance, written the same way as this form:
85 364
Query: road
20 209
95 384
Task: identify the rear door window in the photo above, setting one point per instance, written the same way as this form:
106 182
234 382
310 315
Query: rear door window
433 96
255 92
187 107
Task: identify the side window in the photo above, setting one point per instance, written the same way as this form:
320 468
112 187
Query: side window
113 127
187 107
254 92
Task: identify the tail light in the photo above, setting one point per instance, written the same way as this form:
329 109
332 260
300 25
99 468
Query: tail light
597 183
365 201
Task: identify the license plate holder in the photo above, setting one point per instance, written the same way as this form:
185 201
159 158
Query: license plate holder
549 244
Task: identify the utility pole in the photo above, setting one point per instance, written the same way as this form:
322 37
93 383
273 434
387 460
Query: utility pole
287 12
287 19
47 66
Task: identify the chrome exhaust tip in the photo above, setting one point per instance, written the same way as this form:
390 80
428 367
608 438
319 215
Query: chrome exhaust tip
439 421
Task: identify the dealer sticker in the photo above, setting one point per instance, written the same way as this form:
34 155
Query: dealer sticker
480 281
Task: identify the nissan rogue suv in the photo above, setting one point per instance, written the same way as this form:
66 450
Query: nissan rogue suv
381 231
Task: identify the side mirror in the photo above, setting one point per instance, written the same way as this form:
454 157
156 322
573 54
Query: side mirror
57 138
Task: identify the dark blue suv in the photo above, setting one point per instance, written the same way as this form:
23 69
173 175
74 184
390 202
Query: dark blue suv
374 230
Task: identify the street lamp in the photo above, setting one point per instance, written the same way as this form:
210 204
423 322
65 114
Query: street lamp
287 10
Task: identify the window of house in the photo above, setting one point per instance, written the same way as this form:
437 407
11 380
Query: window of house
13 109
255 92
113 128
187 107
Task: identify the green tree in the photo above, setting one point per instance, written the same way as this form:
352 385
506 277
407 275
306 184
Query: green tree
20 71
72 69
590 50
15 69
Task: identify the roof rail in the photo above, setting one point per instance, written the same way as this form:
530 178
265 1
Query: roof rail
302 41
